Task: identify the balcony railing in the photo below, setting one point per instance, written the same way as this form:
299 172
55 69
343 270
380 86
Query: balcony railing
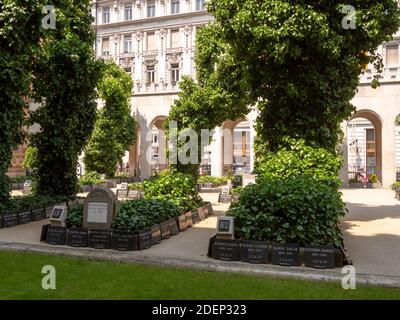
388 75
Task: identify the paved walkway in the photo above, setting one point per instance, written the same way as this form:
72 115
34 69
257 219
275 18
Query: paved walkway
372 234
372 230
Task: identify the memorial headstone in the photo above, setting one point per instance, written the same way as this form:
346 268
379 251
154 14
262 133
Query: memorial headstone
195 216
56 235
10 219
1 221
225 228
100 239
254 251
286 254
224 198
320 257
173 225
77 237
202 216
124 186
165 230
58 216
122 194
43 234
189 221
27 188
145 239
224 249
24 217
100 209
38 214
133 194
155 234
124 241
182 223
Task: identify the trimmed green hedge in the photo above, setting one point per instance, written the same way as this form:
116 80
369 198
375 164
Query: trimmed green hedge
28 202
139 214
297 209
175 187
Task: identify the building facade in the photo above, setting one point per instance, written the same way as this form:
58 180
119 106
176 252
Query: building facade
154 40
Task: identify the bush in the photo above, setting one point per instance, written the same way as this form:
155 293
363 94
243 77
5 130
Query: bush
218 181
296 209
26 203
75 216
144 213
91 177
173 186
298 159
136 186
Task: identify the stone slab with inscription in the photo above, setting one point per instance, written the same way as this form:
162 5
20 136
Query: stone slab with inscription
100 209
124 241
286 254
254 251
77 237
320 257
99 239
224 249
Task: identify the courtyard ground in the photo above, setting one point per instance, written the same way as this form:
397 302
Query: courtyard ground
372 234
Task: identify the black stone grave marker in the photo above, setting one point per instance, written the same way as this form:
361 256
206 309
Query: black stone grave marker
100 239
165 230
56 235
224 249
38 214
77 237
321 257
287 254
155 234
189 221
195 216
254 251
43 234
10 219
182 223
24 217
145 239
173 225
1 221
124 241
122 193
224 198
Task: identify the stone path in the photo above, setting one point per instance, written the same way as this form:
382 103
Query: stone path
372 231
372 238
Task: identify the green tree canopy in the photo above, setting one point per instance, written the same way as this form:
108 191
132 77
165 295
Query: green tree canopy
20 31
300 61
66 74
115 128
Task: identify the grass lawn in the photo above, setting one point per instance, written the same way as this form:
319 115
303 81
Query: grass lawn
21 277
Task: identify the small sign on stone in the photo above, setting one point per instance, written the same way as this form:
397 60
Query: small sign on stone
124 241
224 249
286 254
254 251
321 257
56 235
100 239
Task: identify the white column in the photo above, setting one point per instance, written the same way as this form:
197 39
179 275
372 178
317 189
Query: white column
252 155
145 150
216 153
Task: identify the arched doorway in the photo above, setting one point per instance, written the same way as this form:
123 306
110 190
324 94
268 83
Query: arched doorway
364 143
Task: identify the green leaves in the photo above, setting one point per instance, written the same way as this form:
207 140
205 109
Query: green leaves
289 209
144 213
115 128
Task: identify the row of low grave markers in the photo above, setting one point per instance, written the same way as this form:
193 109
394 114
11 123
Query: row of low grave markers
224 247
100 209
